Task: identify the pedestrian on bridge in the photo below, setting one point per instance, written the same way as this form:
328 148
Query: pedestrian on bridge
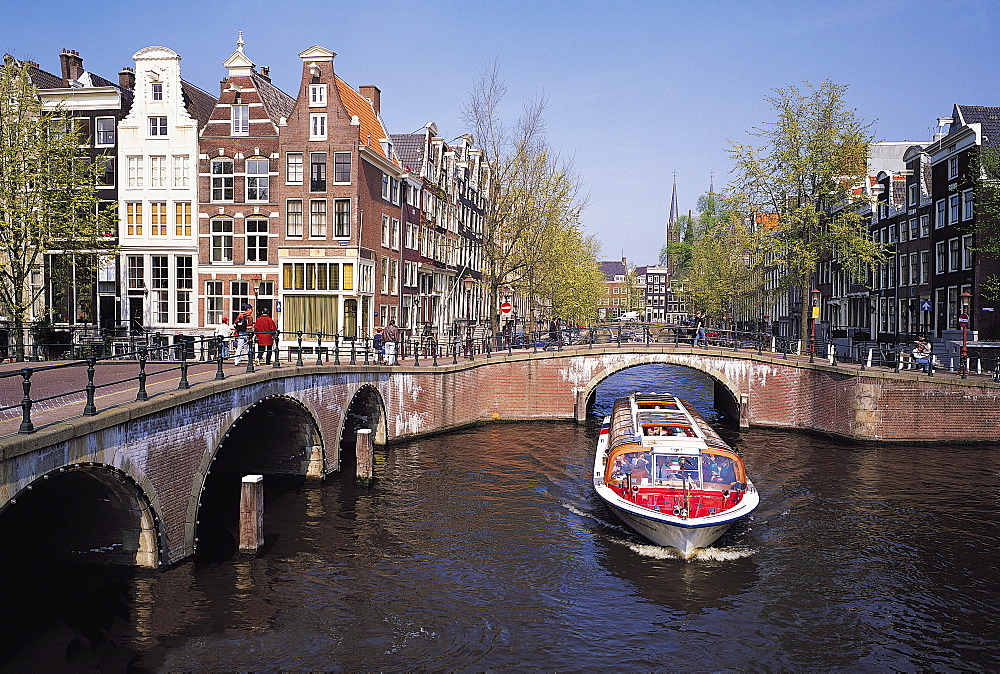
223 331
242 326
390 337
264 329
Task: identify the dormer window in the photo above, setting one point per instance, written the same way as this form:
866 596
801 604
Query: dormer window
317 95
157 92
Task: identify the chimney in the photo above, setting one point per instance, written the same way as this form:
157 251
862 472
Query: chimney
72 65
265 72
373 94
126 78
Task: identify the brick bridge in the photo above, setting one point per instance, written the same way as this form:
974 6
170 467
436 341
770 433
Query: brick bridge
139 482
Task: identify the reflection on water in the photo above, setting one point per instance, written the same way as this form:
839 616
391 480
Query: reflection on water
487 549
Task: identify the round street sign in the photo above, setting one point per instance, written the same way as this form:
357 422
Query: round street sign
506 308
963 318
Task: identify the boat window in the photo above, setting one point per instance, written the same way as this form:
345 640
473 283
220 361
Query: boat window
719 471
635 464
676 470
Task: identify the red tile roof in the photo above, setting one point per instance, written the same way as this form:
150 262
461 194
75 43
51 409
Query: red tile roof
371 131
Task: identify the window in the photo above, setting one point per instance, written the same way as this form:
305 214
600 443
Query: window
341 167
105 131
159 283
952 167
157 171
257 240
394 190
954 254
240 291
213 302
222 179
317 219
185 284
953 205
158 218
925 266
385 231
222 240
182 171
940 215
925 225
395 234
293 168
317 126
317 172
293 217
385 276
182 218
240 117
311 276
257 179
135 274
940 257
134 171
914 229
157 92
106 174
411 236
133 218
911 195
968 209
967 251
913 269
342 217
157 126
385 187
903 231
317 95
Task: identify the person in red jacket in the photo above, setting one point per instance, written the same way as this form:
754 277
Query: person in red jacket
264 328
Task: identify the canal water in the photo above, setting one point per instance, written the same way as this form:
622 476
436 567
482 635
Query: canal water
487 549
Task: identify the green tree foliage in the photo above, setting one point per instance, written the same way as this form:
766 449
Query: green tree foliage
812 156
48 198
570 278
533 209
987 200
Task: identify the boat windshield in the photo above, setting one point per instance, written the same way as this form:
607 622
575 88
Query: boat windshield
719 472
635 464
678 470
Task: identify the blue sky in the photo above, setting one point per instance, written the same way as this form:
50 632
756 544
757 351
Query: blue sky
636 90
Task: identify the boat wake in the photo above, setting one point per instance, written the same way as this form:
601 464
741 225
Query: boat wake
700 554
576 511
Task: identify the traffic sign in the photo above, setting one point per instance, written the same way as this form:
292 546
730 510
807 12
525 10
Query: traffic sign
506 308
963 319
925 305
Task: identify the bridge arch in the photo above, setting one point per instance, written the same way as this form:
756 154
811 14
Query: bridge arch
89 512
276 435
729 397
365 409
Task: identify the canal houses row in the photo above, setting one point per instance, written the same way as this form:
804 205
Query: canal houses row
300 205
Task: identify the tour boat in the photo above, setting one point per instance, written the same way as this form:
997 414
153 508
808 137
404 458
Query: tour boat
666 474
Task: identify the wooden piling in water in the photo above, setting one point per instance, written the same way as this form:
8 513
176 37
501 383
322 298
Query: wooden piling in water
365 452
252 514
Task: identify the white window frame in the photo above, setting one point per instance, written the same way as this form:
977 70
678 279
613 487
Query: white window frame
135 172
968 204
294 169
966 251
157 171
256 240
337 163
222 240
317 126
239 119
98 131
291 222
952 167
940 214
182 170
941 257
157 126
925 225
954 208
317 95
317 219
258 183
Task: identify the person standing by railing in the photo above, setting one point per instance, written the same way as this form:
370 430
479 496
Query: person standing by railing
264 328
390 337
699 329
242 324
223 332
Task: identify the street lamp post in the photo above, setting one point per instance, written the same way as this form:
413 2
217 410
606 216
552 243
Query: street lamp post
813 315
963 320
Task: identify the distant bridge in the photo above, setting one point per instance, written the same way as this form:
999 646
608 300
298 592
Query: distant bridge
134 482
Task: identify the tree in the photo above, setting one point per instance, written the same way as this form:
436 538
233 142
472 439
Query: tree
48 198
987 199
533 194
813 155
570 277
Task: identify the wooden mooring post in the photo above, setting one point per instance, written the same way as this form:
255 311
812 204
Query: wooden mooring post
252 514
365 452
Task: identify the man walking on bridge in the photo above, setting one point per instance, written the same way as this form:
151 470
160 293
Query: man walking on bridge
389 338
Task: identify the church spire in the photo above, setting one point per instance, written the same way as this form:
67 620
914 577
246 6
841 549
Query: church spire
672 218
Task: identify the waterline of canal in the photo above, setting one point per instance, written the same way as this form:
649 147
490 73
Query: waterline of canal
487 549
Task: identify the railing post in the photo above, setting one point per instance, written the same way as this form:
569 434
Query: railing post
90 409
898 363
276 348
219 374
298 361
319 348
416 354
489 347
434 353
26 425
454 351
183 383
336 349
251 352
141 393
365 345
354 355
